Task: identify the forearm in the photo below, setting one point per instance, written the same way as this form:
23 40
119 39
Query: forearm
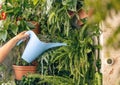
6 48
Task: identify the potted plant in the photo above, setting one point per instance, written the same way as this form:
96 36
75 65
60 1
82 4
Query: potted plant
19 16
21 67
19 13
74 61
23 70
77 59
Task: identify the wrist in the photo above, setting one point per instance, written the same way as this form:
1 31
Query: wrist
15 39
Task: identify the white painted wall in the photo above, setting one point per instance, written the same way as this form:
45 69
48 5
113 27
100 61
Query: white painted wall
111 73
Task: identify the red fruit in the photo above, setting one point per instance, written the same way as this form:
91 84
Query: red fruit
3 15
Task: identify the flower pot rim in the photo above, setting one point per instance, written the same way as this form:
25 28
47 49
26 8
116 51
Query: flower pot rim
17 67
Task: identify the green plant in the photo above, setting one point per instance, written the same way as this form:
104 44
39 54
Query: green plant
18 14
38 79
25 9
76 60
75 63
53 20
106 9
78 56
17 56
3 75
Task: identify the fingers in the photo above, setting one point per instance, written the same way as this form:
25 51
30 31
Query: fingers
24 39
24 34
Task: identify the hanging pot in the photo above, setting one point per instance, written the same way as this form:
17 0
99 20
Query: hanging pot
35 25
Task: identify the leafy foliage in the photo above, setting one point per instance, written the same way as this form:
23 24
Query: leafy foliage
105 7
74 64
18 14
76 61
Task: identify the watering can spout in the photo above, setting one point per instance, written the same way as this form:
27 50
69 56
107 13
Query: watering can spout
35 47
52 45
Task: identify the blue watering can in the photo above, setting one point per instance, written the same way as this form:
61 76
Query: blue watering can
35 47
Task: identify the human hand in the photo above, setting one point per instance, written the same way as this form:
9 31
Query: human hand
22 36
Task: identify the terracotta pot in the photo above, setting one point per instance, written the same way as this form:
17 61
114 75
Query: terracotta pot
36 30
82 15
20 71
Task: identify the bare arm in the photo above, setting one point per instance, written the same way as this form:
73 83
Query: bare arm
6 48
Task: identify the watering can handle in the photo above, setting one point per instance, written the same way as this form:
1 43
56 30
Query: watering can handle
22 40
19 42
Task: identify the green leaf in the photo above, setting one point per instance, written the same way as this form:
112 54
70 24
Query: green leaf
50 17
30 25
18 22
71 4
49 5
35 2
14 29
3 35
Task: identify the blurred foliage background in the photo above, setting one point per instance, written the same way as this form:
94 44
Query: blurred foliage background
101 10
